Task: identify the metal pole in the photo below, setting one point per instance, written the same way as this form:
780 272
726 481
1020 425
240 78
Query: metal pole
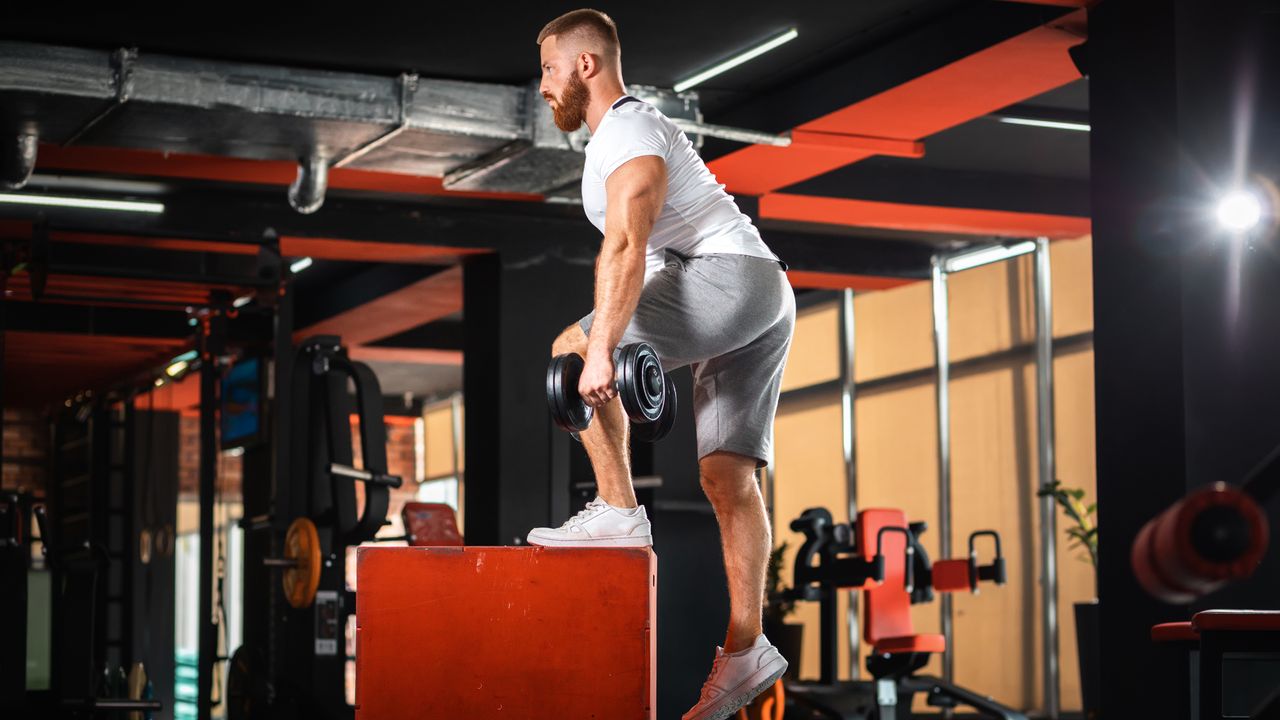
212 341
941 345
1045 447
282 480
849 445
4 289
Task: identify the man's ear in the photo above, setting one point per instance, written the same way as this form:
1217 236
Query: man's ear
587 64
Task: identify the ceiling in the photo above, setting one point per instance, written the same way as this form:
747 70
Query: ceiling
908 73
663 41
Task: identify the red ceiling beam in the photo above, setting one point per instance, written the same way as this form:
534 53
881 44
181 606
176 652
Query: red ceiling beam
919 218
316 248
418 356
1059 3
843 142
1009 72
371 251
804 279
428 299
44 367
151 163
82 286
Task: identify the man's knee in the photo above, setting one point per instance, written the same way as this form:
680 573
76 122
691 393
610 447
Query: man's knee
726 474
572 340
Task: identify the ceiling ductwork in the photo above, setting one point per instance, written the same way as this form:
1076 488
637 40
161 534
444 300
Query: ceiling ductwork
476 136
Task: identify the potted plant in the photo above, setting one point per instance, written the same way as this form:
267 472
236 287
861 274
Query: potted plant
1083 532
778 605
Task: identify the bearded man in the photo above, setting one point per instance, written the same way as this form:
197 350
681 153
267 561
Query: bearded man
682 269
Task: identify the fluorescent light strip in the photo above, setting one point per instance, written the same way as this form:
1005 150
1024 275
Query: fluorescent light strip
81 203
300 265
1055 124
987 255
737 60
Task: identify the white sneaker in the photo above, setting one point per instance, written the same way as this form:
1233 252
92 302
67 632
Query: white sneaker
736 679
599 524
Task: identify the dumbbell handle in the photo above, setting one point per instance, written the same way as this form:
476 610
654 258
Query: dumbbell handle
281 562
378 479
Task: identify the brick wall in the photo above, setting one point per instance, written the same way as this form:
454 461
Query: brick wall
229 466
26 450
401 460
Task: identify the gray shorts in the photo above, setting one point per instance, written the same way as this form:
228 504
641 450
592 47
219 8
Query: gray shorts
730 317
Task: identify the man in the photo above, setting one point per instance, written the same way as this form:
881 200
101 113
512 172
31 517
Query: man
683 270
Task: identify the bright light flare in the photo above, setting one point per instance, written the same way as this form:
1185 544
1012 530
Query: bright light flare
1239 211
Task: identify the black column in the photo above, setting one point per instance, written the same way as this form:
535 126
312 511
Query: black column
515 304
13 601
155 505
1229 122
212 347
1184 395
1137 331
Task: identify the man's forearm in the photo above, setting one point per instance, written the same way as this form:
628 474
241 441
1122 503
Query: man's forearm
619 279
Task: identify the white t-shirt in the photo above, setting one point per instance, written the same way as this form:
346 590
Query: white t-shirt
698 217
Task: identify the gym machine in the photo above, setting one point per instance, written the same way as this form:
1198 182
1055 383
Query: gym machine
299 669
76 583
880 553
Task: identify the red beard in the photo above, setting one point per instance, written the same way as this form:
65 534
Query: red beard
570 111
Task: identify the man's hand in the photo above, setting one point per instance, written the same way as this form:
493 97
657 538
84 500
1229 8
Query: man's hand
596 384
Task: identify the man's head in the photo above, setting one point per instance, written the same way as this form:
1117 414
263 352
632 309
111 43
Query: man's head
580 53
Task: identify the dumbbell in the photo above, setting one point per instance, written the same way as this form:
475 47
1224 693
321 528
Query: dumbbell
1213 536
648 395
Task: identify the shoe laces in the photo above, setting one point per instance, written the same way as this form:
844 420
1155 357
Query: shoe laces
716 664
592 507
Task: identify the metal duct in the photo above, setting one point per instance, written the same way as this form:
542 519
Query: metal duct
18 160
306 194
548 160
446 124
476 136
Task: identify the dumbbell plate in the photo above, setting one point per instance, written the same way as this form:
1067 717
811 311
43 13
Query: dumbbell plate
658 429
639 379
568 411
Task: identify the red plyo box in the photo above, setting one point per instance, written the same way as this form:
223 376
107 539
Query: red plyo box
474 633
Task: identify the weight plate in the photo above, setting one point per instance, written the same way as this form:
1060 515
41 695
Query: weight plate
637 376
302 546
658 429
568 411
248 695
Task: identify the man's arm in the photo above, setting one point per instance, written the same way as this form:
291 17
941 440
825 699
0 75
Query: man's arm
635 191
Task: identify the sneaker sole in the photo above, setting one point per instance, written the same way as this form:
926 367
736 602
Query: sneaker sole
638 541
740 700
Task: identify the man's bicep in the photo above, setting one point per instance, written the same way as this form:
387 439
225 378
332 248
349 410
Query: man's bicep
636 191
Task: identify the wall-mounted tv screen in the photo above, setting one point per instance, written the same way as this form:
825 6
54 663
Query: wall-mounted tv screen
243 391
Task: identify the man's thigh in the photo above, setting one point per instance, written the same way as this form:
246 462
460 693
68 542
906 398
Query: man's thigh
704 307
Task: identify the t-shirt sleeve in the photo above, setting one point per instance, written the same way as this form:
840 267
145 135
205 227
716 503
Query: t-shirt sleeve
627 137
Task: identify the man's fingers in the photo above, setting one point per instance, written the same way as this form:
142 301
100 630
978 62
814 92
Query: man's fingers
599 396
